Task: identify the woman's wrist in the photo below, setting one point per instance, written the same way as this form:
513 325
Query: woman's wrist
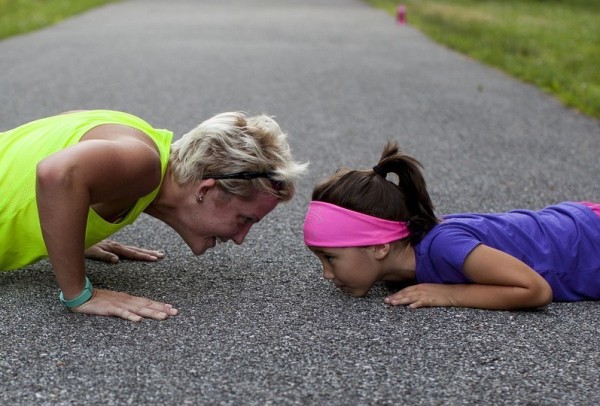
85 295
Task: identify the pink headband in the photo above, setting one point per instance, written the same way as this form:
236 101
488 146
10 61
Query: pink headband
328 225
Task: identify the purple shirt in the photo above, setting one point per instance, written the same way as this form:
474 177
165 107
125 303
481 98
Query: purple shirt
561 243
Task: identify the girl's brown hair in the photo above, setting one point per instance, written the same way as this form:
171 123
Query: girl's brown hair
368 192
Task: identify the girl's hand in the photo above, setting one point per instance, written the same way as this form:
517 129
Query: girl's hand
111 251
120 304
422 295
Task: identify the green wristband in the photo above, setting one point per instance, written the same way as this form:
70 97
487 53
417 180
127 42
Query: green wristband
83 297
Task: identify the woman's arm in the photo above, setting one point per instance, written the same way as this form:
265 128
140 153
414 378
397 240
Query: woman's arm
93 171
500 281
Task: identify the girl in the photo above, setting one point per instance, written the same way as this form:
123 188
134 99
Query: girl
365 228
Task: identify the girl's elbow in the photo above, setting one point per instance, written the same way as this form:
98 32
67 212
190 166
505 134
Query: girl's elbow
543 294
548 296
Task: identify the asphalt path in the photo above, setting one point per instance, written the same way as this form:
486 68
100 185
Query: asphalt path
258 324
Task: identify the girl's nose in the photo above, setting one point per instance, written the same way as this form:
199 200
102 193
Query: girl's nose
327 274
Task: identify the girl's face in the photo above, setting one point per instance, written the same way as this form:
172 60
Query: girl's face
354 270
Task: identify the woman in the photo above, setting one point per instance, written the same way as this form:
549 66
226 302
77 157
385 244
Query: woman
69 181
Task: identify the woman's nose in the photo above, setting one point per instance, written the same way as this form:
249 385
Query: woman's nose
241 235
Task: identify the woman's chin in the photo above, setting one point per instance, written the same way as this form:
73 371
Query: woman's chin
208 244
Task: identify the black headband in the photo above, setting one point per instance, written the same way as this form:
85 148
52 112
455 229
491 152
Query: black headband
242 175
275 184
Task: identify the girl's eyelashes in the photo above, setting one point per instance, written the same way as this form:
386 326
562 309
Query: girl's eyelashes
328 258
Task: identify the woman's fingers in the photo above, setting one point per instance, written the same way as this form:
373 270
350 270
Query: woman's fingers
111 251
97 253
122 305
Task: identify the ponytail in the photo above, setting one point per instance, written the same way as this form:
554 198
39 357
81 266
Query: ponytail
369 192
411 183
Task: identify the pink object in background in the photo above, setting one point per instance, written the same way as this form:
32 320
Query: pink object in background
401 14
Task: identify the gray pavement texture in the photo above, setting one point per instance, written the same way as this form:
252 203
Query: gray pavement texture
258 324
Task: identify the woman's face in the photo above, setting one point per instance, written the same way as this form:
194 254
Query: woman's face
354 270
219 217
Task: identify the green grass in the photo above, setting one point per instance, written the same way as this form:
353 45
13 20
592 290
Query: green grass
21 16
554 44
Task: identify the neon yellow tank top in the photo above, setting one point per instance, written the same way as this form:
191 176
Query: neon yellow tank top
21 241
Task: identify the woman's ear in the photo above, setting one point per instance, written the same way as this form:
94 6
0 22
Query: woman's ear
380 251
204 186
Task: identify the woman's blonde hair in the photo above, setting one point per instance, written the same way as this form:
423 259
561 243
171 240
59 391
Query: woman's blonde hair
234 143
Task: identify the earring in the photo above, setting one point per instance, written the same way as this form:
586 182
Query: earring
199 197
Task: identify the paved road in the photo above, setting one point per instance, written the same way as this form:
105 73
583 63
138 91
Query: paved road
257 324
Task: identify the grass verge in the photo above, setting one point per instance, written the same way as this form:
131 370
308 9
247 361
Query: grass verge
554 44
21 16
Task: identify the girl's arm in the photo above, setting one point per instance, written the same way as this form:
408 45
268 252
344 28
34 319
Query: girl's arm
500 281
68 183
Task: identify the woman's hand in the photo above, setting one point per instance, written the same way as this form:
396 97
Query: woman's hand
111 251
120 304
